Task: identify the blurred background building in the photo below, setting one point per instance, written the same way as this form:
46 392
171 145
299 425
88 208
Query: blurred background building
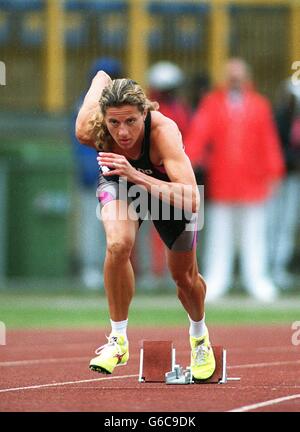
48 46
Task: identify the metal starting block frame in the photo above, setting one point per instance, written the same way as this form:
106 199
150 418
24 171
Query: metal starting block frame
158 364
156 359
178 375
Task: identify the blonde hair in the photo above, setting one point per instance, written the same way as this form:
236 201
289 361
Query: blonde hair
118 93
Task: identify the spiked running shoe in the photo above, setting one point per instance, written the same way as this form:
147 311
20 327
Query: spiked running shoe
114 353
203 362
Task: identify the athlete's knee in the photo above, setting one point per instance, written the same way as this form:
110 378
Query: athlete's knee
119 249
188 282
184 279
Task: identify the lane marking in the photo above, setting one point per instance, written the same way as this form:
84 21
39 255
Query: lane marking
256 365
45 361
13 389
41 361
66 359
266 403
21 347
276 349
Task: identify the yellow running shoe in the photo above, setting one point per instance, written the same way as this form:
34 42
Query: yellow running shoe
203 362
114 353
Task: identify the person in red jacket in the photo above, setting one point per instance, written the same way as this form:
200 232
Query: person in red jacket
234 137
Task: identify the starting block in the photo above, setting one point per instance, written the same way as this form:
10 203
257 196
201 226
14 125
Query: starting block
158 364
156 359
180 376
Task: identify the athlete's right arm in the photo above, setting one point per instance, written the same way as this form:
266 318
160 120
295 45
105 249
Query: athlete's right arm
90 107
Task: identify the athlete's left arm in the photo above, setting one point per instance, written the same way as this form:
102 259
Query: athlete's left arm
182 189
168 142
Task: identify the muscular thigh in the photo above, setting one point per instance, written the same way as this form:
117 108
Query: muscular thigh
182 262
178 235
119 219
118 223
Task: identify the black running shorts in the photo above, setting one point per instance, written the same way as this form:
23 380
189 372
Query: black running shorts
177 229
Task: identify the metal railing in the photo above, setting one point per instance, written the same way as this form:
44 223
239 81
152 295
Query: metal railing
57 40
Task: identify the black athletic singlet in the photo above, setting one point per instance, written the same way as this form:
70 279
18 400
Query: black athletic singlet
144 163
177 230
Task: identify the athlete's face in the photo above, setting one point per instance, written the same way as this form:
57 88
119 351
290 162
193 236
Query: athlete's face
126 125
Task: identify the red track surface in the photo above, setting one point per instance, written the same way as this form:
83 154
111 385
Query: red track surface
48 371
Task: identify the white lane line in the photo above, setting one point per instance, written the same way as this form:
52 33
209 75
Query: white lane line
266 403
257 365
276 349
41 361
79 359
21 347
45 361
13 389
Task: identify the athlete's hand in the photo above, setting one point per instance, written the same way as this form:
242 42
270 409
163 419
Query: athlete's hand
118 165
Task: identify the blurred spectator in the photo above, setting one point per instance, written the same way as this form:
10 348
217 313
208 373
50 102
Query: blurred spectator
165 83
234 137
284 208
200 85
90 232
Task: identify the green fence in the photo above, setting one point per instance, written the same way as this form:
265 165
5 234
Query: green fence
38 207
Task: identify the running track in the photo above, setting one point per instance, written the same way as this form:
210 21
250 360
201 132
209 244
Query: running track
47 370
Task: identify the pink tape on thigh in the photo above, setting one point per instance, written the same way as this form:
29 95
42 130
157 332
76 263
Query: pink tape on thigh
105 197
